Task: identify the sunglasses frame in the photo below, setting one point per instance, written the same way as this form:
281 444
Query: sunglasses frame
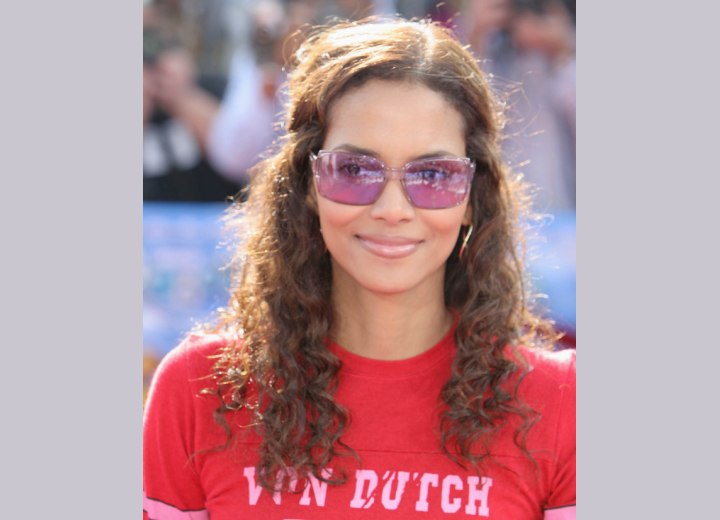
393 173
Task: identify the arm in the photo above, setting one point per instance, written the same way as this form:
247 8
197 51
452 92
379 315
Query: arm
243 128
177 92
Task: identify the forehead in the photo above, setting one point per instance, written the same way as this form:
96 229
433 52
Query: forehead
396 120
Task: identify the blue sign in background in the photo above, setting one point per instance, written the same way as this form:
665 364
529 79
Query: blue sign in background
184 281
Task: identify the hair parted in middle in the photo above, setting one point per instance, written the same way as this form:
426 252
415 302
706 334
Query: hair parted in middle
280 307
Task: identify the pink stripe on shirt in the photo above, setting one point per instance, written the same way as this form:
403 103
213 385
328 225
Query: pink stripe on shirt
560 513
157 510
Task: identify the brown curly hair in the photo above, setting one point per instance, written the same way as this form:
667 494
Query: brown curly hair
280 302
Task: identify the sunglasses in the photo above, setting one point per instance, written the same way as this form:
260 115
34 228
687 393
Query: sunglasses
356 179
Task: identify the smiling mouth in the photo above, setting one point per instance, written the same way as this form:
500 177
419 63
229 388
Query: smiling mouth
389 247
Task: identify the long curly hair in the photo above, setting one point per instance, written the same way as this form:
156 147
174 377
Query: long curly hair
280 367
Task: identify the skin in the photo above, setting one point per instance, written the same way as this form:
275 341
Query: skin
170 83
483 19
389 257
550 33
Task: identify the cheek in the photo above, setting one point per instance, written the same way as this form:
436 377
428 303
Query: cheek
447 223
447 230
335 218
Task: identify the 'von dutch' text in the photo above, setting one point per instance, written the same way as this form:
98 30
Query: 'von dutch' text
455 494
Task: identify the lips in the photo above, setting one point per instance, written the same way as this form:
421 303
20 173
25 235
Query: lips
389 247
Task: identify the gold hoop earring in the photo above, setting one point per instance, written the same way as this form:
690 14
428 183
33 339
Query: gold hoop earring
466 238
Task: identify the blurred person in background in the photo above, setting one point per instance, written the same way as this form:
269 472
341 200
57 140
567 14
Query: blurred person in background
547 28
178 111
247 122
529 48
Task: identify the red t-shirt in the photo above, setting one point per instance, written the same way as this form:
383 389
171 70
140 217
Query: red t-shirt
402 472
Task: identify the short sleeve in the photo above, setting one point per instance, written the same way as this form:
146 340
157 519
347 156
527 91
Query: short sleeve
562 498
172 489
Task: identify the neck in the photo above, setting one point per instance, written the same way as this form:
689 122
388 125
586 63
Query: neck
388 327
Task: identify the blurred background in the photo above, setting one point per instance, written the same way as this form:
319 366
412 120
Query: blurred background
212 77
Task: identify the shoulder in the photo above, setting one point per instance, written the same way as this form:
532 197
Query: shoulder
191 362
546 367
196 349
549 382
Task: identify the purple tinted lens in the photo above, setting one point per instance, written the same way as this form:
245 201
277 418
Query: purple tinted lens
438 183
349 178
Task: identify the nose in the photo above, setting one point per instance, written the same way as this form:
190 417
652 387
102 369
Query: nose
393 205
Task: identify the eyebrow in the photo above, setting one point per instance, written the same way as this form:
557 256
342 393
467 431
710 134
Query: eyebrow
346 147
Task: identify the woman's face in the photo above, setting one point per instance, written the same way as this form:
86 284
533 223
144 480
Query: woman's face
390 246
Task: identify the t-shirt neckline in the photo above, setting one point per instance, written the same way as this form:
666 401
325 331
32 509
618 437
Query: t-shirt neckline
360 365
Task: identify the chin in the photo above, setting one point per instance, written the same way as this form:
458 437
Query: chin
392 286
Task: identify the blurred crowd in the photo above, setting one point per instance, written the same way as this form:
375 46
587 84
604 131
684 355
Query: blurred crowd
213 73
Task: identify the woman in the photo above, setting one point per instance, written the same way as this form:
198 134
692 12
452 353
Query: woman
374 360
